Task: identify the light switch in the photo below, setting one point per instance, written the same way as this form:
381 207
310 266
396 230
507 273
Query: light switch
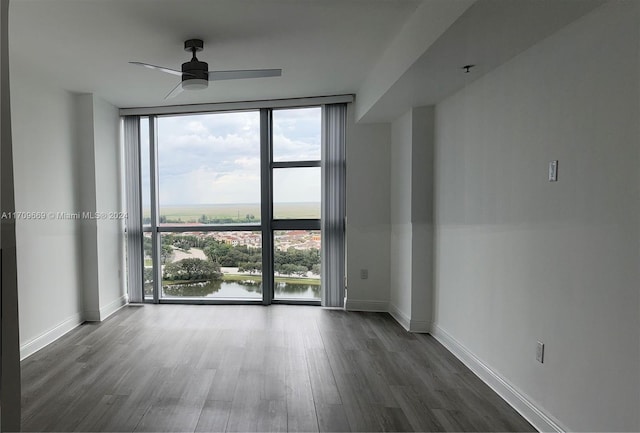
540 352
553 171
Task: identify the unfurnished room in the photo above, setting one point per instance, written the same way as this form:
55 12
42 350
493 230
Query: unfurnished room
320 215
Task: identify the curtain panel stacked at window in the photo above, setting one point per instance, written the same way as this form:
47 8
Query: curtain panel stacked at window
131 129
334 120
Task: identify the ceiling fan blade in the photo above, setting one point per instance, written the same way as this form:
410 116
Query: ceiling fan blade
159 68
175 92
250 73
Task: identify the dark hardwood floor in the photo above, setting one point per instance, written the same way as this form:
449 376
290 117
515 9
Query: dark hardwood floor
252 368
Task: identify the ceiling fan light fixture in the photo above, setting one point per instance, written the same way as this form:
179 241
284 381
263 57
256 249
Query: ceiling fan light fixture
195 84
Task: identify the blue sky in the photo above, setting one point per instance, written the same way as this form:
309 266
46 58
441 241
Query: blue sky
215 158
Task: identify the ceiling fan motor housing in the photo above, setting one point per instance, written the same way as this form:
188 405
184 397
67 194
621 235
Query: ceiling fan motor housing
195 75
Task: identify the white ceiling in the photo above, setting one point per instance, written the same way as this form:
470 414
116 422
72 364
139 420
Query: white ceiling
324 47
488 34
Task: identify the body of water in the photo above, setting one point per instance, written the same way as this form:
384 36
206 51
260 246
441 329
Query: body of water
240 290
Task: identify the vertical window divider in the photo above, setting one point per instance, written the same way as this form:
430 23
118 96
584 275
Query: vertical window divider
155 234
266 154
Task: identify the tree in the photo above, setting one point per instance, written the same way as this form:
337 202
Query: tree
182 244
148 275
218 252
192 270
300 270
250 267
166 253
290 269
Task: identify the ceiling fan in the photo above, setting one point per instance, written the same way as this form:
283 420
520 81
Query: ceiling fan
195 74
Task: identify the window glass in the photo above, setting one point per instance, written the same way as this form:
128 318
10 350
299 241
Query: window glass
212 265
296 193
296 134
145 170
209 168
296 261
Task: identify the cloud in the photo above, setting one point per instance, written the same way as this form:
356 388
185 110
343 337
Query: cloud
205 186
215 158
286 149
196 127
296 134
245 162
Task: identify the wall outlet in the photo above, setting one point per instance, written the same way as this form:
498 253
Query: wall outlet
364 274
540 352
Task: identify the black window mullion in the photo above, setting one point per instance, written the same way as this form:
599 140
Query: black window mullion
296 164
266 157
295 224
208 228
155 237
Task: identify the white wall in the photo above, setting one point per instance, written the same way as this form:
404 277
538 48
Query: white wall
110 230
422 230
401 233
46 180
411 156
520 259
67 160
87 194
367 215
102 236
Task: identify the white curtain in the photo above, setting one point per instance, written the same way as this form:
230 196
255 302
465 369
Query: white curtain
334 123
134 208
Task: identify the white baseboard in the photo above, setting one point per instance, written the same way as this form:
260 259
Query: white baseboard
106 311
32 346
112 307
358 305
35 344
400 317
517 399
91 315
419 326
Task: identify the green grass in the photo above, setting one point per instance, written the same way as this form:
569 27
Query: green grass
237 277
177 282
191 213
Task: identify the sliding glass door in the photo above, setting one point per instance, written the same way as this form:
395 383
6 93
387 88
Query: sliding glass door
231 206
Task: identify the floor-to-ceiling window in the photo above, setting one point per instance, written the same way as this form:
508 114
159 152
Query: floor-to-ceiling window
231 206
295 170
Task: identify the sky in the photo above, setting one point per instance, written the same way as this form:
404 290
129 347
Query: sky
215 158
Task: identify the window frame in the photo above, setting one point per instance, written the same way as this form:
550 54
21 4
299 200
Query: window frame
267 226
288 224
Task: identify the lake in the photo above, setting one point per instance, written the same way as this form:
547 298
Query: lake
240 290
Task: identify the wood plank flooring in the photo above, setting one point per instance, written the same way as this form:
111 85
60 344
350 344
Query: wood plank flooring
175 368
